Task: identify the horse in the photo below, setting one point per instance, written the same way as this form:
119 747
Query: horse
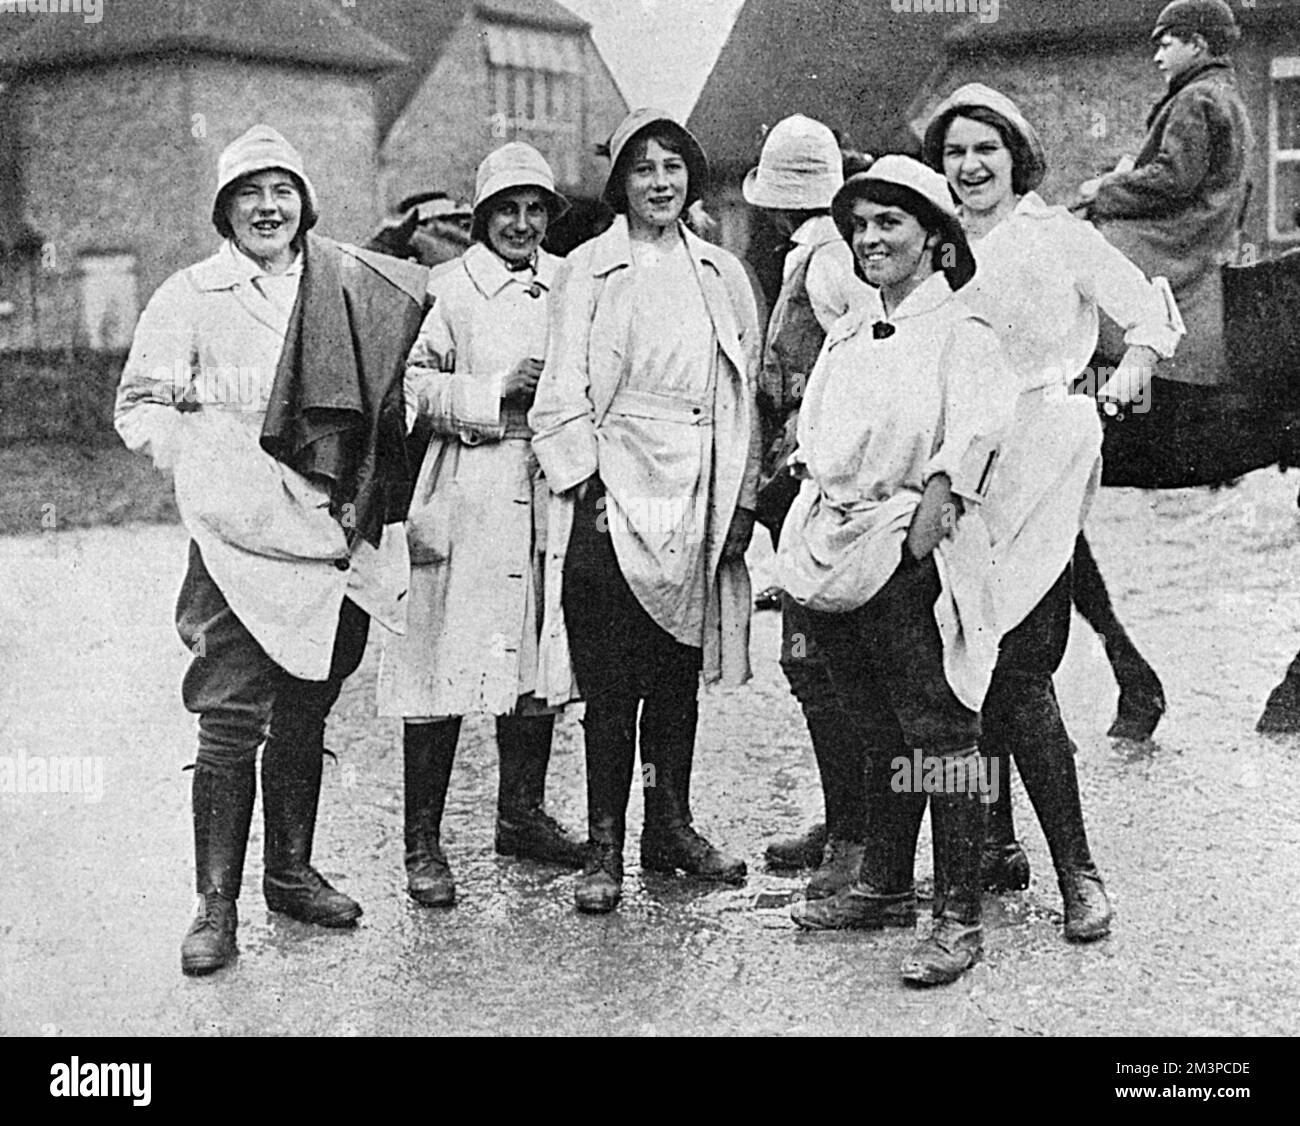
1196 436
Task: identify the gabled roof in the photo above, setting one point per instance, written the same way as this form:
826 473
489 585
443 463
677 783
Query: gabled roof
423 28
540 13
1038 24
313 32
853 64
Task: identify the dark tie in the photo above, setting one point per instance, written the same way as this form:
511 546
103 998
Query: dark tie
882 330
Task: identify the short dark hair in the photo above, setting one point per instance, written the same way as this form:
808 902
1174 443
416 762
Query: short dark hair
951 255
221 220
671 138
1022 159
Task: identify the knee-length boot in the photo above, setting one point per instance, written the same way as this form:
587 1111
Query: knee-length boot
428 750
222 811
291 779
1046 765
669 840
957 817
610 745
524 828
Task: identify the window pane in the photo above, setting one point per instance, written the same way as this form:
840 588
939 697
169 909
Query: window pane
1288 113
1288 198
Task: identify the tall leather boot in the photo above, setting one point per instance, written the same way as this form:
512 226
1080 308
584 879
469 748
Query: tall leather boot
291 779
223 811
883 894
956 938
1046 765
1005 865
610 745
428 750
524 828
668 840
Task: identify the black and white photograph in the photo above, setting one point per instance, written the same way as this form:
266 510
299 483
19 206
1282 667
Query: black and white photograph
651 518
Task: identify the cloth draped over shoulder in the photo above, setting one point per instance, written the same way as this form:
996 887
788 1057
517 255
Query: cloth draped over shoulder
586 364
337 408
1177 213
207 359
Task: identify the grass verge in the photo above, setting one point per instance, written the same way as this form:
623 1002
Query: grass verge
48 486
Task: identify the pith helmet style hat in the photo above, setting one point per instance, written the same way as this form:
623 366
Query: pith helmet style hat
799 169
260 150
976 95
517 165
697 165
1197 16
929 185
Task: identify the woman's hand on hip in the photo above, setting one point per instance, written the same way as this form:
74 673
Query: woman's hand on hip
935 517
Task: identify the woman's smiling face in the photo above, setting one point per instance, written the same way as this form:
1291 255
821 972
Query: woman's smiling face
978 165
656 186
264 212
890 245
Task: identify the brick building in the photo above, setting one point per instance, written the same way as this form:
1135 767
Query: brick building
110 132
484 72
109 137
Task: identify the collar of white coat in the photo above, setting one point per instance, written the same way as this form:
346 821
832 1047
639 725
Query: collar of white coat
613 249
931 294
817 231
230 267
490 275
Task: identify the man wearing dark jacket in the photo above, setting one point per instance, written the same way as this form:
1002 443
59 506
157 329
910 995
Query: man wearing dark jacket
1176 213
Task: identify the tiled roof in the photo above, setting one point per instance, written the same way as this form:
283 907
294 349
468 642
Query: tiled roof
299 31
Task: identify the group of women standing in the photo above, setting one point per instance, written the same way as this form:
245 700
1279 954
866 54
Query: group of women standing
579 519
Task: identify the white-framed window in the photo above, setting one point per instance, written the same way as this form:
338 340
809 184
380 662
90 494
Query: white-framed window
110 303
1284 150
536 83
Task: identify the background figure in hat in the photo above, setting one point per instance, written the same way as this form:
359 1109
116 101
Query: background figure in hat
798 174
646 434
295 544
476 558
887 550
1043 277
1177 211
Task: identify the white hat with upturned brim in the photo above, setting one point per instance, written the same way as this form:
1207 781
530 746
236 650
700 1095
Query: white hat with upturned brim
800 168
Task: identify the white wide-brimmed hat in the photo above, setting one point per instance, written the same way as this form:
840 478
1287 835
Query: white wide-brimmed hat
260 150
930 186
517 165
800 168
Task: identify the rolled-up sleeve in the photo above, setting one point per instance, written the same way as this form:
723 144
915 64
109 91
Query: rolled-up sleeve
562 416
1108 278
980 392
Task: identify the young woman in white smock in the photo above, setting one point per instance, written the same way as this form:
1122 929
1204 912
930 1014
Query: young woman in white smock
1043 277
